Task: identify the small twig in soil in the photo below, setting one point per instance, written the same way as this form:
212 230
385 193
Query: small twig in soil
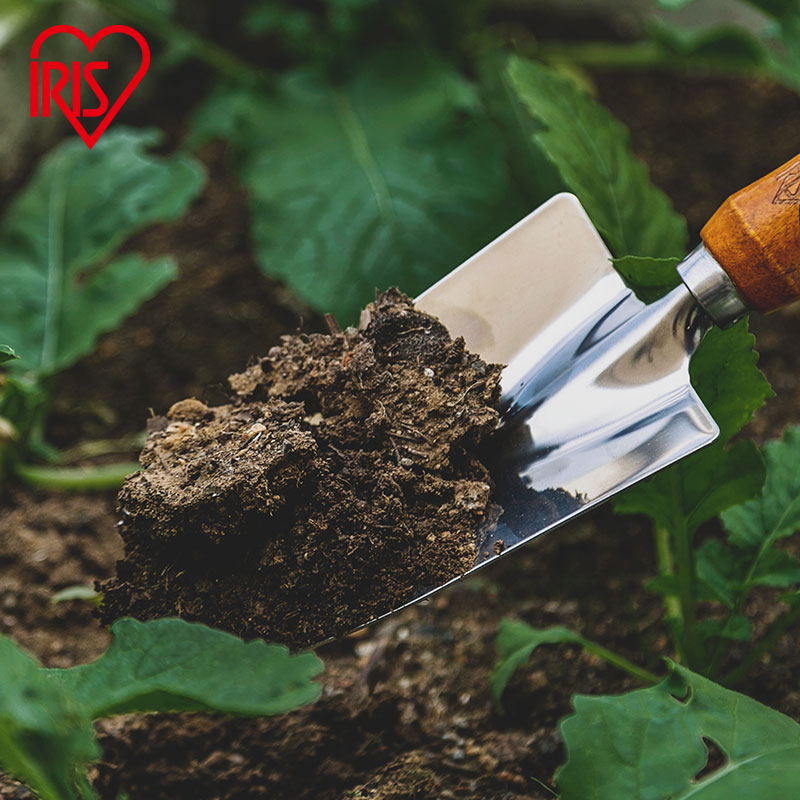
337 451
468 389
419 434
412 330
405 436
414 452
333 325
396 451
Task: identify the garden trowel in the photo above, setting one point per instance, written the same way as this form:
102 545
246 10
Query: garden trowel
596 392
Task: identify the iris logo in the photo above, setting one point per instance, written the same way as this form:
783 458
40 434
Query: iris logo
50 79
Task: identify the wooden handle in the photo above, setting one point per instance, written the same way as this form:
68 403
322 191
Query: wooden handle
755 238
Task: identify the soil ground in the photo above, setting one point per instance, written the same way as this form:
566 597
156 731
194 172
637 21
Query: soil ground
405 711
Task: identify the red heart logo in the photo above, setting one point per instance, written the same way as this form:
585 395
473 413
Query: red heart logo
89 43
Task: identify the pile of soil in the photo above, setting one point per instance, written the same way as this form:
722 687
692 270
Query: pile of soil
341 482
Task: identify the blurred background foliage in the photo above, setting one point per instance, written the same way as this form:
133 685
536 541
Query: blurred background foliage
379 142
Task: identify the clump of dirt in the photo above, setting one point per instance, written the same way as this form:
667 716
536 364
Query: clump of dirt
340 482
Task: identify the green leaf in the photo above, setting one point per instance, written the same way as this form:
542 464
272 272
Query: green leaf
391 178
650 278
84 593
735 627
270 17
776 568
173 665
669 586
99 478
720 45
58 290
515 642
775 514
6 354
536 177
722 570
726 377
697 488
718 478
648 745
724 373
46 739
592 151
776 8
164 7
672 5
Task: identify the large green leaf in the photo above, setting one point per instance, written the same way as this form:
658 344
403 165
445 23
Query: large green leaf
535 175
725 375
46 736
592 151
58 292
393 177
648 745
174 665
46 739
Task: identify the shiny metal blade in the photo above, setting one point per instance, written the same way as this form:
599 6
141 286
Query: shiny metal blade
596 392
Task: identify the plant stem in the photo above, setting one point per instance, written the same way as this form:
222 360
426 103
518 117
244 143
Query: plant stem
687 590
216 56
131 443
640 55
76 479
619 661
666 566
764 645
720 650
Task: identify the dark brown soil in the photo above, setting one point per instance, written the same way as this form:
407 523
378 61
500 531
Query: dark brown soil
49 542
339 484
405 709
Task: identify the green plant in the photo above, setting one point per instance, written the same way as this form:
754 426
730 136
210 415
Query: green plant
770 51
62 283
773 50
652 743
591 152
46 735
517 640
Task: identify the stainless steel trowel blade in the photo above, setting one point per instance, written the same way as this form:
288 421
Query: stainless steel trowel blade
596 392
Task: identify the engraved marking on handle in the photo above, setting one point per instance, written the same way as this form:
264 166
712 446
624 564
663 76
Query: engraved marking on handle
789 185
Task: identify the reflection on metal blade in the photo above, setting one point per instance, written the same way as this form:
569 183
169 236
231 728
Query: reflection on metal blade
596 392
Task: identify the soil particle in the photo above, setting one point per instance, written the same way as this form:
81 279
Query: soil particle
339 483
48 543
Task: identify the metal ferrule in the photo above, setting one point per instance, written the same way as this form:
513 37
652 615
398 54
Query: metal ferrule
711 287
